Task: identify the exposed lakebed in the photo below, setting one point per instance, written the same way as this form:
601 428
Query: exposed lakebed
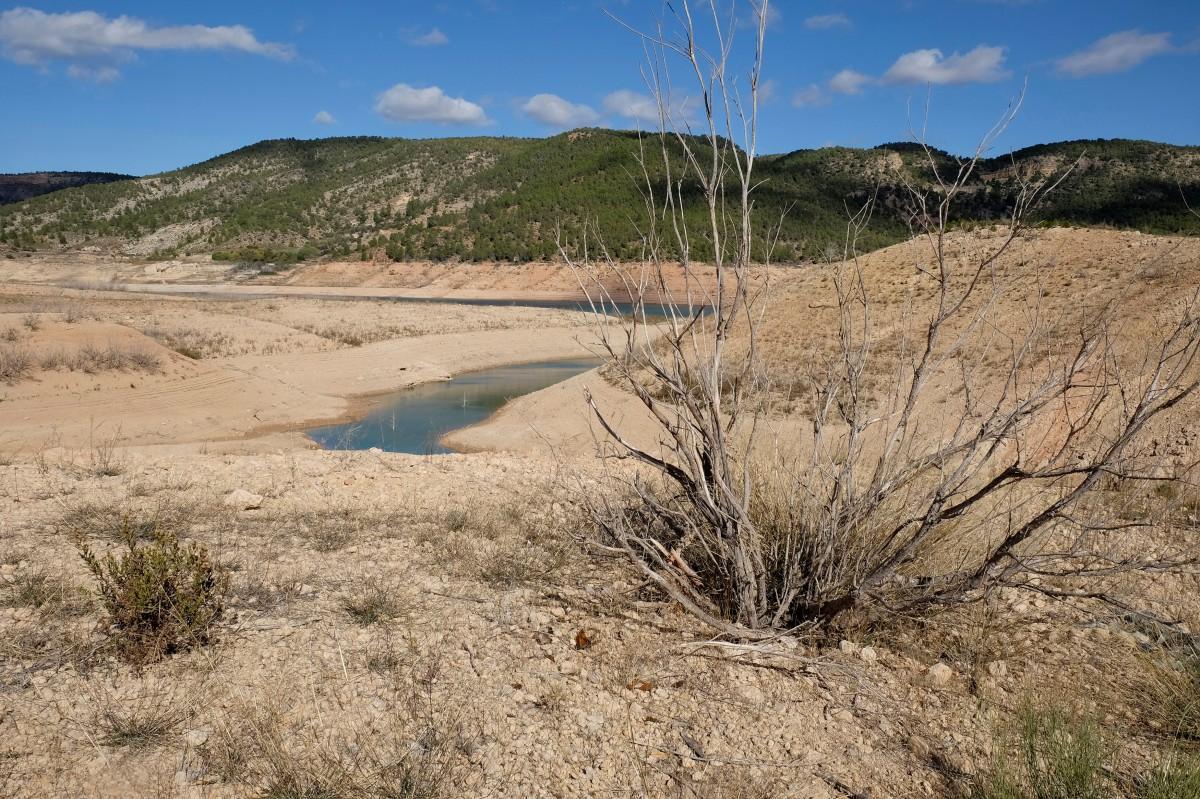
414 420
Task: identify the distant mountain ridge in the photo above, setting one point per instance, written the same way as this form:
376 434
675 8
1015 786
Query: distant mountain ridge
499 198
26 185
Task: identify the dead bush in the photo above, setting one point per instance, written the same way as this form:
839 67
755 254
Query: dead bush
16 363
924 477
91 359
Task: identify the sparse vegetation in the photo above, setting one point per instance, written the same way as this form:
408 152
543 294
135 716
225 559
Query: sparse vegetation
1062 755
116 521
257 748
841 521
192 343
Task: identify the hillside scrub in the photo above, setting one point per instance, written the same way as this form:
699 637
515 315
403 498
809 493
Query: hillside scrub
504 199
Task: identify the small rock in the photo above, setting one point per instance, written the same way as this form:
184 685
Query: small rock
939 675
243 500
868 654
849 647
997 668
197 737
920 747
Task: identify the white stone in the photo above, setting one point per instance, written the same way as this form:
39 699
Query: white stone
939 674
196 737
868 654
243 500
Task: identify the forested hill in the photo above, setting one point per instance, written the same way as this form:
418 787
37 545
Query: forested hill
490 198
15 188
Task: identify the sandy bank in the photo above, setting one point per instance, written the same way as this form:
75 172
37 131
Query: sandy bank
210 372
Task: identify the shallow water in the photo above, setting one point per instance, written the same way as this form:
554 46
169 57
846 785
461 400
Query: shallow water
415 419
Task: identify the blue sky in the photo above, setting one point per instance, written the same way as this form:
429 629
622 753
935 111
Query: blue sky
143 86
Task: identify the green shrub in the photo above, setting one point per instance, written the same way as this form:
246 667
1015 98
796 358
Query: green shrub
161 596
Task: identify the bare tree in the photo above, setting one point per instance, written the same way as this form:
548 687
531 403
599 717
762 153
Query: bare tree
887 505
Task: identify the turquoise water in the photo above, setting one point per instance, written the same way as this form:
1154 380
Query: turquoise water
414 420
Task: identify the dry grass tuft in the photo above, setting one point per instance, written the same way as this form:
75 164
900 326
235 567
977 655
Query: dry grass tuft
256 592
376 602
115 520
275 756
40 646
144 719
49 595
1166 694
513 545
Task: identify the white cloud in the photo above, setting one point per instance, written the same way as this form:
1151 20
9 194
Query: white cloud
848 81
96 74
554 111
1115 53
642 108
823 22
324 118
631 105
91 44
811 95
434 38
982 65
751 17
404 103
